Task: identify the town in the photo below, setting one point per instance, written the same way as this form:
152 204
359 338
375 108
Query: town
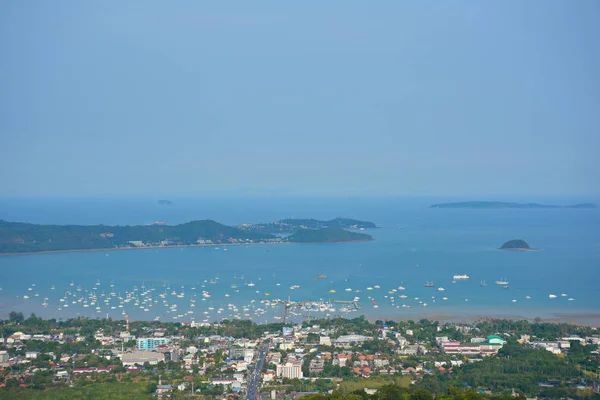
326 357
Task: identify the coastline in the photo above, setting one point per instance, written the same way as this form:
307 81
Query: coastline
180 246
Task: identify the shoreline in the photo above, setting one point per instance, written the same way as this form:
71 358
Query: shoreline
180 246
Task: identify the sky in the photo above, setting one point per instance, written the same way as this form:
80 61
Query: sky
337 98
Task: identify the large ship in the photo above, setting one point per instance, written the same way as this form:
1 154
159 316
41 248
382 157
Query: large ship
460 277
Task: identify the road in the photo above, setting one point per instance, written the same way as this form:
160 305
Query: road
256 373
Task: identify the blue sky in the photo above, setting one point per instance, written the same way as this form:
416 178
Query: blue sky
310 98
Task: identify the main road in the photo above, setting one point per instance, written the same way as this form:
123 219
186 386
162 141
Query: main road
255 376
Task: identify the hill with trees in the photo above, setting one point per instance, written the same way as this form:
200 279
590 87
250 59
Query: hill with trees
327 235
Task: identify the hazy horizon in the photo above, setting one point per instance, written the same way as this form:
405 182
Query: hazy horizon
480 101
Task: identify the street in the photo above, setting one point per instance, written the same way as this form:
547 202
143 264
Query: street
256 373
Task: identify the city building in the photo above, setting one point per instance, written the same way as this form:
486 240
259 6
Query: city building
151 343
290 370
141 357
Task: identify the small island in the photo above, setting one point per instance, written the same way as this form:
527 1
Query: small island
516 244
21 238
501 204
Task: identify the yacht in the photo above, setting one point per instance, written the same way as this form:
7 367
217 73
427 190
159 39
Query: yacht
429 284
483 284
460 277
552 296
502 282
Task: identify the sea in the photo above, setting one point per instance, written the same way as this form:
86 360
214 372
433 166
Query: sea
381 279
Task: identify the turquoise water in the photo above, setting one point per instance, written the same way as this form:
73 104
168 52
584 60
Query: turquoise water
415 244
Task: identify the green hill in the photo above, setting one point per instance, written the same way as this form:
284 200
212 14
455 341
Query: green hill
327 235
17 237
292 225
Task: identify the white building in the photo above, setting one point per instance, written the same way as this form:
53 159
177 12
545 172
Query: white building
290 370
140 357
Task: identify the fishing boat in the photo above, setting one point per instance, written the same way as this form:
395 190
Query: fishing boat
429 284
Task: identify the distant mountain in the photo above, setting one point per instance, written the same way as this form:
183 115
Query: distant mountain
327 235
292 225
500 204
516 244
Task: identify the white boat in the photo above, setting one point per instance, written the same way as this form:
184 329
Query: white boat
571 299
502 282
552 296
460 277
441 289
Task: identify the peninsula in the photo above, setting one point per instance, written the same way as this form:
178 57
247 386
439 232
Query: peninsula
516 244
18 237
292 225
501 204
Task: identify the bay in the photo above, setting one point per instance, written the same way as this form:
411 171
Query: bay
415 244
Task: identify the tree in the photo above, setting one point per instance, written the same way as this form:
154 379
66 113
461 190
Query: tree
16 317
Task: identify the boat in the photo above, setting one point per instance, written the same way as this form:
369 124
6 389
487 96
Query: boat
429 284
441 289
483 284
321 276
552 296
502 282
528 297
460 277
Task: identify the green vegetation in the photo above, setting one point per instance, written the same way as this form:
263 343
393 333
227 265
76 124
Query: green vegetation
327 235
516 244
292 225
501 204
19 237
110 390
395 392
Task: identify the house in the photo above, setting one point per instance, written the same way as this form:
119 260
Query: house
32 355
